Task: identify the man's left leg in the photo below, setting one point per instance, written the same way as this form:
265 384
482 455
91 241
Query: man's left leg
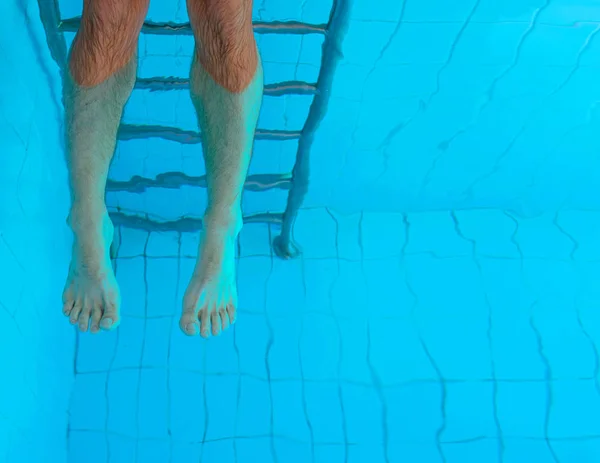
226 84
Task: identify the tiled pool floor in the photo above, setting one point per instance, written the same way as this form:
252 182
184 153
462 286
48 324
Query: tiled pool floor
466 336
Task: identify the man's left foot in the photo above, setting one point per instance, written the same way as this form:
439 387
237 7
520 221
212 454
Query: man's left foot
210 301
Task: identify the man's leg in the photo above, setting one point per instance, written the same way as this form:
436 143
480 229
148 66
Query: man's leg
226 84
101 75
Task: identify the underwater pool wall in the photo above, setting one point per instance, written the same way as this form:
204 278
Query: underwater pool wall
36 346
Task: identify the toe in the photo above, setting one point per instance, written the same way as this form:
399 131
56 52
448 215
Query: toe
77 308
232 312
188 327
189 321
204 323
67 307
224 318
110 319
84 318
68 301
215 321
96 316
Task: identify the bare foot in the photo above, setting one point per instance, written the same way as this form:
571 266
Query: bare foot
209 304
91 291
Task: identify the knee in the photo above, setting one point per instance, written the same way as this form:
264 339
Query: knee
225 40
107 39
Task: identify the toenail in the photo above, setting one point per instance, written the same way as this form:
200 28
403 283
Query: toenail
190 328
106 322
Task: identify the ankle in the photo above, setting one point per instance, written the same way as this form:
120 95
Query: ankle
89 218
224 219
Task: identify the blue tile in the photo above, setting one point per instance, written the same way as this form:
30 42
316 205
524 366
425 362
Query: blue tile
284 112
364 414
221 413
269 158
424 50
163 244
283 354
353 358
252 336
280 48
87 446
553 282
389 294
349 293
84 413
320 276
121 449
522 450
522 408
397 354
156 342
315 232
438 10
253 275
324 410
186 352
256 449
221 450
436 233
379 34
69 9
319 347
222 354
565 345
366 452
540 238
123 394
259 202
168 11
414 412
569 45
187 413
382 235
490 44
289 417
477 451
130 276
153 451
348 227
285 290
509 11
131 338
414 452
292 450
96 352
582 226
449 339
469 409
253 408
491 230
152 406
577 451
303 72
330 454
574 410
363 10
458 287
186 452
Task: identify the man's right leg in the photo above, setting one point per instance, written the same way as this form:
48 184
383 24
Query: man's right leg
100 78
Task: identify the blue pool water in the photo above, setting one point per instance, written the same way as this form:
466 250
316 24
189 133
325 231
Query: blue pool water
445 307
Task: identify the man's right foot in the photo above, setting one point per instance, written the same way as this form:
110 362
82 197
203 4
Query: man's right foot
91 291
